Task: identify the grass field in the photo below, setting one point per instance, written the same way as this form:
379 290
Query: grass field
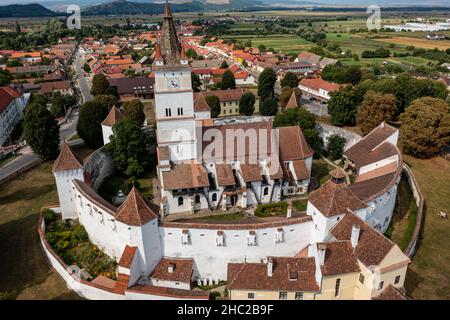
428 276
286 43
25 272
417 42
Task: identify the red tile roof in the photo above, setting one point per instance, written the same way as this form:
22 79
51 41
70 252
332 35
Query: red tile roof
67 160
334 198
293 102
301 171
391 293
114 116
135 211
318 83
182 270
185 176
7 95
225 175
293 145
200 104
127 257
339 258
290 274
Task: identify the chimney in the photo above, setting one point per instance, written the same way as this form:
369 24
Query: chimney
269 267
355 235
321 250
170 268
289 212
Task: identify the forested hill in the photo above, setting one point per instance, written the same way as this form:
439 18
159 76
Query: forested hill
25 10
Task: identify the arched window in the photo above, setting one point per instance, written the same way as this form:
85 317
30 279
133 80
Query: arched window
180 201
197 198
266 191
214 197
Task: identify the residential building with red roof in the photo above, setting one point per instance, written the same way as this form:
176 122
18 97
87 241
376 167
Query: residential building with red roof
317 88
12 105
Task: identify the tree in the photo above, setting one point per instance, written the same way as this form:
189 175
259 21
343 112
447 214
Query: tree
128 148
375 108
290 80
5 77
108 100
224 65
191 54
18 28
269 107
266 83
425 127
13 63
342 74
286 93
214 104
228 81
86 68
196 83
305 120
61 103
343 105
89 128
247 104
100 85
41 131
335 146
134 111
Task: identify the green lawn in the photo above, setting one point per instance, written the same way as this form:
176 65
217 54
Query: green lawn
25 272
300 205
428 276
321 170
289 44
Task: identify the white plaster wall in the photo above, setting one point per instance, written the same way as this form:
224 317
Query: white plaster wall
383 209
66 191
321 225
378 164
211 260
171 284
107 133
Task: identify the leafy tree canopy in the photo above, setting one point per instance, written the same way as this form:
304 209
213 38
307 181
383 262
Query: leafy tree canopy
89 128
134 110
375 108
228 81
247 104
266 83
214 105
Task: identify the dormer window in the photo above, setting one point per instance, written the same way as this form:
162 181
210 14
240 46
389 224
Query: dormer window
185 237
251 238
220 241
279 235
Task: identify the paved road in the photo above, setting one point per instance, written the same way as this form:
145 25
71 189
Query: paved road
83 82
66 130
318 109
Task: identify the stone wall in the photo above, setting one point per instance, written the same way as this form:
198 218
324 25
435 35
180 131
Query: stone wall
326 131
99 165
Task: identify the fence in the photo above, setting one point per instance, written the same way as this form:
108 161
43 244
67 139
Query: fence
418 196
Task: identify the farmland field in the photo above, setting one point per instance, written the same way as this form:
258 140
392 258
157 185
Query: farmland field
416 42
286 43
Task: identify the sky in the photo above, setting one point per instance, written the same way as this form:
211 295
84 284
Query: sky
331 2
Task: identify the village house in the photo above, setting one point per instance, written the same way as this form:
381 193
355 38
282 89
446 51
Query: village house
63 87
317 88
134 88
229 100
12 105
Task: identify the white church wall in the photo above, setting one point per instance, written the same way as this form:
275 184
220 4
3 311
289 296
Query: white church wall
107 132
66 192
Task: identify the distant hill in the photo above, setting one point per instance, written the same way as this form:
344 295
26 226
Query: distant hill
25 10
121 7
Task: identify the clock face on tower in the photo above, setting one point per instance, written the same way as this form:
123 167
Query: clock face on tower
173 83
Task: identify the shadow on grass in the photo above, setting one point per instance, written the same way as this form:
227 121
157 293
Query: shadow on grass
26 194
23 261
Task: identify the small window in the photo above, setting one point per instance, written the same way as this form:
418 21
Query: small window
283 295
266 191
251 295
197 198
397 280
361 278
180 201
299 296
214 197
381 285
337 287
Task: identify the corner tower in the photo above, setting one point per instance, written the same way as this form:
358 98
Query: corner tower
174 98
67 167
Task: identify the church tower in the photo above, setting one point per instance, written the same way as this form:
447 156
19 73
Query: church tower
174 98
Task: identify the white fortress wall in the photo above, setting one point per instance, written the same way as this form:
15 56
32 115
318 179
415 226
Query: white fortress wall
211 260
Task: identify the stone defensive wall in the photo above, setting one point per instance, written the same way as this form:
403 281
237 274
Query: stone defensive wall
326 131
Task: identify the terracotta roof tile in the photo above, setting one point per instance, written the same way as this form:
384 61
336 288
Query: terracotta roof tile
200 104
135 211
182 270
391 293
334 198
293 102
67 160
339 258
293 145
127 257
251 172
372 246
185 176
225 175
300 169
318 83
290 274
114 116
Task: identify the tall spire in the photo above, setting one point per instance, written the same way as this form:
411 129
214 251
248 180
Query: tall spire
170 45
